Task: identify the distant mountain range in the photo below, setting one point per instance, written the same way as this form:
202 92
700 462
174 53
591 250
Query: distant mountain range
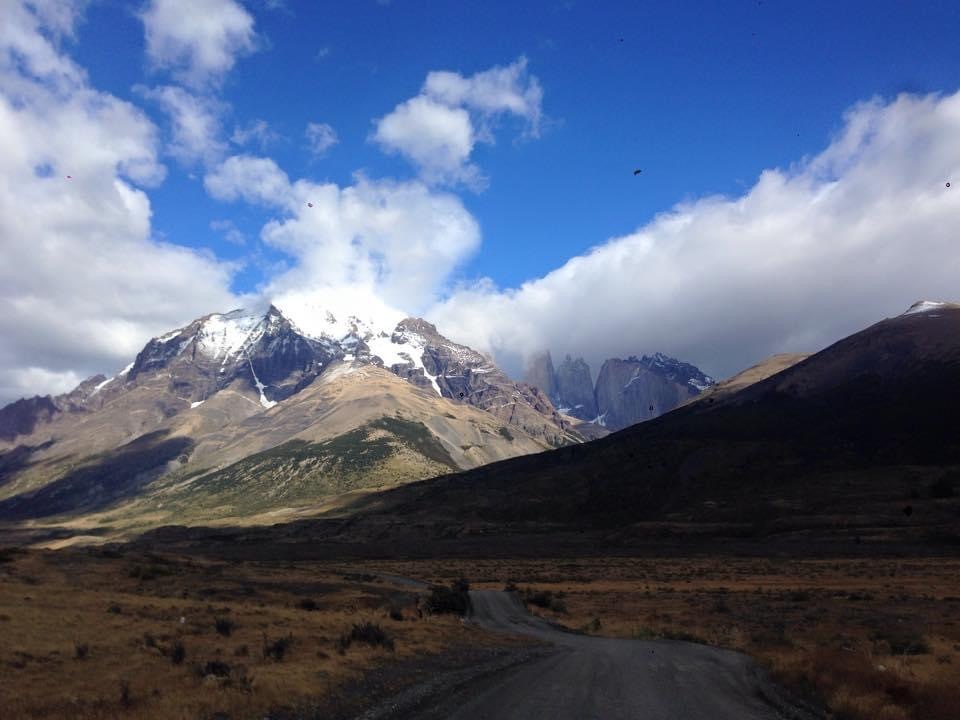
626 391
245 413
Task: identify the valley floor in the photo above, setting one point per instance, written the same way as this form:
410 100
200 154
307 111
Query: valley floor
103 633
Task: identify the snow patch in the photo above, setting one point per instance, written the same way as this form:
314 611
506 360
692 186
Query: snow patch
260 386
196 404
225 336
924 306
335 313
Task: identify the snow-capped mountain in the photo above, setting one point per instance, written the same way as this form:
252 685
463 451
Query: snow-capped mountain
266 408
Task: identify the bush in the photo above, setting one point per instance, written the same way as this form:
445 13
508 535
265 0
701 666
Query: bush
546 599
720 606
369 633
942 489
217 668
396 614
81 651
276 649
178 653
449 600
307 604
903 641
224 626
115 609
125 698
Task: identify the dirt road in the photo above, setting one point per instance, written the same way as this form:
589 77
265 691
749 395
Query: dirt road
590 677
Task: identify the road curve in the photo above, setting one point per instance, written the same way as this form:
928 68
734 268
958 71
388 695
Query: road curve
591 677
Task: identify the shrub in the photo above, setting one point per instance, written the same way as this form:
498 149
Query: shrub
125 698
720 606
224 626
81 651
276 649
307 604
453 600
178 653
546 599
217 668
396 614
369 633
149 640
942 489
903 641
115 609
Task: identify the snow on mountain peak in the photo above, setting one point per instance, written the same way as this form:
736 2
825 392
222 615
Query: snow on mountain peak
923 306
225 336
338 313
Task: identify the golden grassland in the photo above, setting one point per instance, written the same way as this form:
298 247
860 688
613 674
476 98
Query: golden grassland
97 634
871 639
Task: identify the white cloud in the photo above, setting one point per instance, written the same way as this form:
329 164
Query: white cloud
257 132
438 129
195 125
805 257
231 233
437 138
82 283
510 89
199 40
320 138
401 240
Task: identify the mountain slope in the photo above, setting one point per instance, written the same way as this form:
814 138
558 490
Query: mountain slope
227 386
856 439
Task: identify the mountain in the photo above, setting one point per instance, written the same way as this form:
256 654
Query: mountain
251 412
626 391
852 444
753 374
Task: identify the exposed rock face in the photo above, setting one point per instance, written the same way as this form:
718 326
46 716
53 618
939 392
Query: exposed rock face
626 392
575 389
465 375
541 374
633 390
23 416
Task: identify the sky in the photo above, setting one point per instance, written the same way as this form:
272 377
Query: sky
475 163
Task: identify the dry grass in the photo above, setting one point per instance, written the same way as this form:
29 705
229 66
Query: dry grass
874 639
87 635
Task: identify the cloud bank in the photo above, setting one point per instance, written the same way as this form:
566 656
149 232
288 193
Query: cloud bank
82 281
807 256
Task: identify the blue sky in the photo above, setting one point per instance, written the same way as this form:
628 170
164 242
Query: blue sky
704 97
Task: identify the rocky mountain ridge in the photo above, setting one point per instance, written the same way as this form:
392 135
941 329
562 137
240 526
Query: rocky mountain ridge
626 391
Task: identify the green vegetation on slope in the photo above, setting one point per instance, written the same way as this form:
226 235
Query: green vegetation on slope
384 452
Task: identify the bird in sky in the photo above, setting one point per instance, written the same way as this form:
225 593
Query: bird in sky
637 171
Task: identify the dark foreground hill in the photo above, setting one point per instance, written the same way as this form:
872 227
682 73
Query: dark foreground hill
856 445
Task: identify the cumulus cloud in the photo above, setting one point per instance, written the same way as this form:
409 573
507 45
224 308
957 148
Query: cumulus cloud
438 129
195 126
82 284
231 233
808 255
257 132
320 138
400 240
199 40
